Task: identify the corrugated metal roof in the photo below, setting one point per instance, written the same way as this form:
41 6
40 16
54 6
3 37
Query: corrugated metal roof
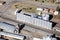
7 27
12 35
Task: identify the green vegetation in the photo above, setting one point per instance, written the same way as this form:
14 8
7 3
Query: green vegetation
25 7
58 9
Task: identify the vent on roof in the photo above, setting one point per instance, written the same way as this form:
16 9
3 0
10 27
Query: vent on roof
27 14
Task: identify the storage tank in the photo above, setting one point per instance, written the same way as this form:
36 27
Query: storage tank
45 17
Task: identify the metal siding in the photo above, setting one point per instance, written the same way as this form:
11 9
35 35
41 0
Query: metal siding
42 24
20 17
28 19
45 24
39 22
50 25
34 21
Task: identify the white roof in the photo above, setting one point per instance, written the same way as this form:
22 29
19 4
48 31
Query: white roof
7 27
56 13
12 35
40 9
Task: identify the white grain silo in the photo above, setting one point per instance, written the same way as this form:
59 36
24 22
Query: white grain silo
45 17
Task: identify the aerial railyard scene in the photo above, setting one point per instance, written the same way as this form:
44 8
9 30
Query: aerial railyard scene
29 19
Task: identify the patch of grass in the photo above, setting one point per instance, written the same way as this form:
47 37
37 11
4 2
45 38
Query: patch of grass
36 0
30 9
24 7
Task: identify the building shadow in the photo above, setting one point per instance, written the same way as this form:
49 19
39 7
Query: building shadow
21 27
53 24
50 17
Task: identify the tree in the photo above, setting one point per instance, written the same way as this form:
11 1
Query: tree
58 9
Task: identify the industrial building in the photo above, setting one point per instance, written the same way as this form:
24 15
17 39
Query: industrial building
8 27
19 24
21 37
34 20
10 30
